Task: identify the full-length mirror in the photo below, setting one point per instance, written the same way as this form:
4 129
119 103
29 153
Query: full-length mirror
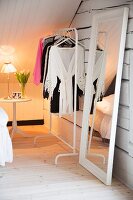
102 92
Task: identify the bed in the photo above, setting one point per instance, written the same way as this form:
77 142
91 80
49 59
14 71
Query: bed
103 116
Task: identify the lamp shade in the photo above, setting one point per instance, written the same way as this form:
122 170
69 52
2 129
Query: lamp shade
8 68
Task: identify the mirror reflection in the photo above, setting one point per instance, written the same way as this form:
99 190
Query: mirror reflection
104 76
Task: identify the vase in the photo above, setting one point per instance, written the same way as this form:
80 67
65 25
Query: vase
22 86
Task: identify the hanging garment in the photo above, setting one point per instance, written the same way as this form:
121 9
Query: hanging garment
96 74
37 68
46 44
98 64
6 152
62 65
54 101
42 58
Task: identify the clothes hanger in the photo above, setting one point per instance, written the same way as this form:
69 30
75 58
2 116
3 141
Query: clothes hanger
69 39
64 39
79 43
50 36
59 40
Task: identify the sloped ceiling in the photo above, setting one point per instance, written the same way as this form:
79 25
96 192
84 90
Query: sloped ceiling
23 22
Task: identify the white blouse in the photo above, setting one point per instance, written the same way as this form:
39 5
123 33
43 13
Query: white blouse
62 64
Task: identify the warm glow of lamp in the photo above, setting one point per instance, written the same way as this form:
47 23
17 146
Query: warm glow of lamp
8 68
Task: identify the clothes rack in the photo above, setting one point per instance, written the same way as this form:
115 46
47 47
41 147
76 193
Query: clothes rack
65 32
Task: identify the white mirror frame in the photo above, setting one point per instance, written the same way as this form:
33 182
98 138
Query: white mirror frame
106 178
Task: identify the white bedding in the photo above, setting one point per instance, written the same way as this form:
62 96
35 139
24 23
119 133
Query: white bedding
106 105
103 116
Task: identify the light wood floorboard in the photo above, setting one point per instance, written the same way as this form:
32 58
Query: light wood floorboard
33 175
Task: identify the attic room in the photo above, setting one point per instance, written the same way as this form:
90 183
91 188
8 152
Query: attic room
66 99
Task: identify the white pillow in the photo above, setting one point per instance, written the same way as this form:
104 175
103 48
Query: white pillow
106 105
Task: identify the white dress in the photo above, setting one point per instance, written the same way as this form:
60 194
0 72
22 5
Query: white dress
6 152
62 64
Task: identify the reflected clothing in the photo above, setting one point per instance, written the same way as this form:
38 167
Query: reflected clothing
96 75
62 61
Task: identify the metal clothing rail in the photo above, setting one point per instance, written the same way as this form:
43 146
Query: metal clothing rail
65 32
75 97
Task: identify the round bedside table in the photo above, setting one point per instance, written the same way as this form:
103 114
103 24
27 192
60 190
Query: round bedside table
14 128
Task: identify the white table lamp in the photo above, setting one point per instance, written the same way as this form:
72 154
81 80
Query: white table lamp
8 68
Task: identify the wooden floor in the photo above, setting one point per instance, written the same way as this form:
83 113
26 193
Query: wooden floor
33 175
